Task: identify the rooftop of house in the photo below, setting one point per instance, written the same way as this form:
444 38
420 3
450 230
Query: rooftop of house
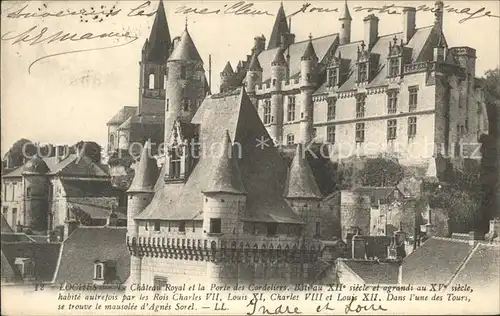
122 115
372 271
5 226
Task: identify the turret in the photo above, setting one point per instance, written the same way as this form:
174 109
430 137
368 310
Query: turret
226 77
278 73
308 73
253 77
185 84
153 73
302 193
35 184
345 26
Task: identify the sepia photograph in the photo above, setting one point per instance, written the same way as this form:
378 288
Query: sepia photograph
250 158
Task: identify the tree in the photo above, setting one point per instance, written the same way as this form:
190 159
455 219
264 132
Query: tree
381 172
89 149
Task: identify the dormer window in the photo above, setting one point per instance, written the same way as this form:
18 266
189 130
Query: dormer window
360 105
105 272
393 67
26 268
363 72
332 77
175 164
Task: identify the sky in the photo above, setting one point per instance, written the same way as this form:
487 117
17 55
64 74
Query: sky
69 97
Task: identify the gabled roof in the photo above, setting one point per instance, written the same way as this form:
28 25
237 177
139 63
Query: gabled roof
146 172
126 125
280 27
122 115
263 171
301 182
185 49
88 244
372 271
228 69
158 45
225 175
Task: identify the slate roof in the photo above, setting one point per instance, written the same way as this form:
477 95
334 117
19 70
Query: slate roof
254 64
9 272
94 211
321 46
5 226
280 27
346 15
435 261
15 237
87 244
309 52
185 49
126 125
263 171
228 69
373 272
146 172
122 115
301 182
89 188
158 45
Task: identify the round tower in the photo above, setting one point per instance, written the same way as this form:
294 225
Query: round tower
308 68
345 26
35 186
253 78
223 204
226 77
185 86
278 74
140 194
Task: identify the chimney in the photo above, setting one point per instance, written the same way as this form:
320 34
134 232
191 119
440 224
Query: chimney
371 30
409 16
259 44
494 233
358 246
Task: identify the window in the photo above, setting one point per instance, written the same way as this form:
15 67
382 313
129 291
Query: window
183 72
175 164
272 229
392 102
274 82
182 227
151 81
393 67
318 229
167 105
14 218
360 132
412 127
330 134
332 77
360 105
314 132
330 115
160 282
5 191
146 225
267 111
290 139
308 77
14 191
215 225
186 104
194 226
164 82
291 109
362 72
413 98
28 193
391 129
157 226
98 271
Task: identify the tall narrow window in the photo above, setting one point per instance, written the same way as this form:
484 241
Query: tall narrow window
413 98
290 139
99 273
318 229
308 77
183 72
175 164
360 132
28 193
291 109
267 111
167 105
330 134
391 129
393 67
14 191
215 225
314 132
362 72
157 226
332 77
182 227
412 127
151 81
392 102
330 115
360 105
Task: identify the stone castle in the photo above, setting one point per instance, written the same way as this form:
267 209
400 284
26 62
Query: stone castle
242 213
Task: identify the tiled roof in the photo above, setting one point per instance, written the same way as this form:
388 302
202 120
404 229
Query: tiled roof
93 211
15 238
254 64
374 272
146 172
126 125
122 115
9 273
228 69
87 244
435 261
89 188
159 40
301 182
235 113
5 226
185 49
280 27
321 46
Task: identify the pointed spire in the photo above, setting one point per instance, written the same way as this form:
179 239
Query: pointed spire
346 15
280 27
146 172
159 42
228 70
185 49
254 64
309 53
226 175
301 182
279 59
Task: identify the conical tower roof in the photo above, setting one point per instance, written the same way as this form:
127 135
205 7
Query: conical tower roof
279 58
309 53
280 27
254 64
226 176
301 182
346 15
146 172
158 45
35 165
228 69
185 49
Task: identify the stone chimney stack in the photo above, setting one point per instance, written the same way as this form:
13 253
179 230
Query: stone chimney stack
409 18
371 30
358 246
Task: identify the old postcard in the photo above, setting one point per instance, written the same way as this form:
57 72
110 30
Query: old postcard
250 158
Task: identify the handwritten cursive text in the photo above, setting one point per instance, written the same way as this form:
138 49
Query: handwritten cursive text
238 8
259 308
